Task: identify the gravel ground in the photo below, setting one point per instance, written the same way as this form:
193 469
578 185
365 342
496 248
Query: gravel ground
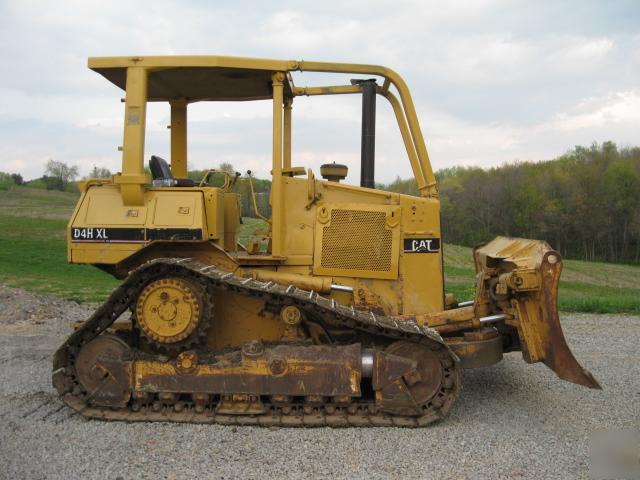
513 420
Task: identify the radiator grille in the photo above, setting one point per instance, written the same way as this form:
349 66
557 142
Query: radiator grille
357 240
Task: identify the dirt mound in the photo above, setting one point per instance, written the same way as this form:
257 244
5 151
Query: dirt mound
21 311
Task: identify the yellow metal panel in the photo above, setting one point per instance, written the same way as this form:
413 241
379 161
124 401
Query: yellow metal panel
242 319
174 209
357 240
214 210
104 207
104 253
100 207
298 220
421 272
379 296
231 217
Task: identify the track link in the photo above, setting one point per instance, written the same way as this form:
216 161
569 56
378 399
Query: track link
355 414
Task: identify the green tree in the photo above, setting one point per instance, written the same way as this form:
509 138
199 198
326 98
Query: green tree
5 181
17 179
59 174
586 203
99 172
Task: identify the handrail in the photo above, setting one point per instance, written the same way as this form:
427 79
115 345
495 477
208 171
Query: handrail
421 181
406 100
253 198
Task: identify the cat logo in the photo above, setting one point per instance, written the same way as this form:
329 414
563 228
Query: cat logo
421 245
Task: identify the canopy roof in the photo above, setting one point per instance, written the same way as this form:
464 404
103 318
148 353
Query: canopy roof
198 78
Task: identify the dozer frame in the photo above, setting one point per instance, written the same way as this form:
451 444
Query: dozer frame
341 320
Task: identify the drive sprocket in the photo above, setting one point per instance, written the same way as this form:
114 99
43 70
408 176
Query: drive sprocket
173 312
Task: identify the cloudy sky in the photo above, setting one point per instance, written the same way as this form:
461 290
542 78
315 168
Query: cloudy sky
493 81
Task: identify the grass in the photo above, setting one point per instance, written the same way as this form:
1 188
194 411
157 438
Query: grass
33 256
595 287
37 203
248 230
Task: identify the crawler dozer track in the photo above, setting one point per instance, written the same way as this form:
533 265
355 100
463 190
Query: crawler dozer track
400 397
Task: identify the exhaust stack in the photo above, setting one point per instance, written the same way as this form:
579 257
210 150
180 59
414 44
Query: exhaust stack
368 145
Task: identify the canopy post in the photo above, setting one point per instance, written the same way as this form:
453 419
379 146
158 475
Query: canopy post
133 178
276 171
179 137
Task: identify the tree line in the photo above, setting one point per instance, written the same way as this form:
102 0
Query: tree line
585 203
57 176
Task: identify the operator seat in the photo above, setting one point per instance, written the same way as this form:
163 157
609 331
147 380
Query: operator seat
161 172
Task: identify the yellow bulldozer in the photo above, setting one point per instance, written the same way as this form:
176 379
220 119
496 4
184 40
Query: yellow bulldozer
338 318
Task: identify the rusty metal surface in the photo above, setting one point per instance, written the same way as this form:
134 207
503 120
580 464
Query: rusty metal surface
475 349
519 278
420 384
284 370
544 321
101 369
309 410
450 320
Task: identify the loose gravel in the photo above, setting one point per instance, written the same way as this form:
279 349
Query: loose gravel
513 420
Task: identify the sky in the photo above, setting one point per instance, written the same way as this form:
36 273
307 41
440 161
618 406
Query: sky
493 81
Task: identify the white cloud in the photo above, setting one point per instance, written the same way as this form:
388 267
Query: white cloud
585 49
453 141
618 108
503 58
305 32
493 80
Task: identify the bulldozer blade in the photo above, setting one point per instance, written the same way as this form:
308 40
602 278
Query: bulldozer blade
525 274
